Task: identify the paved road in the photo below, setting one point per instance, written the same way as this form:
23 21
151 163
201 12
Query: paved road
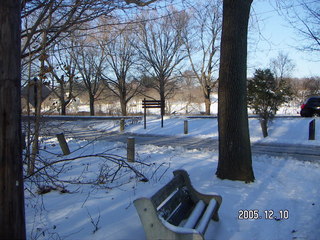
82 130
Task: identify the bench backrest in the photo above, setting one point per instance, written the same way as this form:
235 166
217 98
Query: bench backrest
173 201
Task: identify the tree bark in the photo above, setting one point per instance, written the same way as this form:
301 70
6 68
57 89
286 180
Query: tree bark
123 104
264 127
162 97
63 107
235 162
207 102
12 218
91 103
62 99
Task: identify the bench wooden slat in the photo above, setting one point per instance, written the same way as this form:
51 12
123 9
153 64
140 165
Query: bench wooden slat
165 191
182 212
171 206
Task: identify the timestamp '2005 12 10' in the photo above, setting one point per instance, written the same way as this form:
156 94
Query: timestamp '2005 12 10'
255 214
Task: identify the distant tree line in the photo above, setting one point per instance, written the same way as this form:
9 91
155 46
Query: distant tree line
81 47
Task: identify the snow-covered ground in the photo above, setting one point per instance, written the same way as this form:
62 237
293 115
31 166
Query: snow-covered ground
282 130
106 210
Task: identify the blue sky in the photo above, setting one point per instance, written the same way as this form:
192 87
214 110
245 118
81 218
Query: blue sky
273 34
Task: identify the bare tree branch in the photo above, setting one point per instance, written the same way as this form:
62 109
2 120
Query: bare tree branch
140 3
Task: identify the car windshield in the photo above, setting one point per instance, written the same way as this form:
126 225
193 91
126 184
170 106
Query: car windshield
314 101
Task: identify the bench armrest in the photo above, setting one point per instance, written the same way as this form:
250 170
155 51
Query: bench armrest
194 193
155 228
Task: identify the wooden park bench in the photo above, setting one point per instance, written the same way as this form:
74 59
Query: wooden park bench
177 210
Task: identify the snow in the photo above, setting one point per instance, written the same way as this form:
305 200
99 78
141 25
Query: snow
282 130
106 210
194 216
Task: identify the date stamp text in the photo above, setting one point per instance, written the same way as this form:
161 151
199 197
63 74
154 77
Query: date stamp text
255 214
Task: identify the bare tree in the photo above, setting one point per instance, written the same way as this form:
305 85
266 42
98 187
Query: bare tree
66 15
160 49
189 93
304 17
60 19
63 73
90 64
43 70
282 66
121 60
235 161
201 41
140 2
12 216
309 87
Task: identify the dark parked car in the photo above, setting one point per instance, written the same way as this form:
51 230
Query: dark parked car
311 107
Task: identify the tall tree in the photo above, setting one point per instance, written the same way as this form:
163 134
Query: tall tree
63 70
121 60
160 48
12 220
90 64
201 40
282 66
235 160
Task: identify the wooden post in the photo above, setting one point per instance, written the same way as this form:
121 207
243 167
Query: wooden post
63 144
122 124
312 130
130 149
185 127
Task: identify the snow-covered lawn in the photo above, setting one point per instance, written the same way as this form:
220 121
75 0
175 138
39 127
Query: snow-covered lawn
284 130
106 210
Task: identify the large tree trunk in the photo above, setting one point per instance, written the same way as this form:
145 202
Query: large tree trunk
162 95
235 161
207 102
12 221
63 107
62 100
123 104
264 127
91 103
123 96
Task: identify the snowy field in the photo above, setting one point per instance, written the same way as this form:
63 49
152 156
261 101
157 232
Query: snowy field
293 130
102 206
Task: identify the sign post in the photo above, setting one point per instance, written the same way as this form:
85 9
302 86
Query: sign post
152 104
